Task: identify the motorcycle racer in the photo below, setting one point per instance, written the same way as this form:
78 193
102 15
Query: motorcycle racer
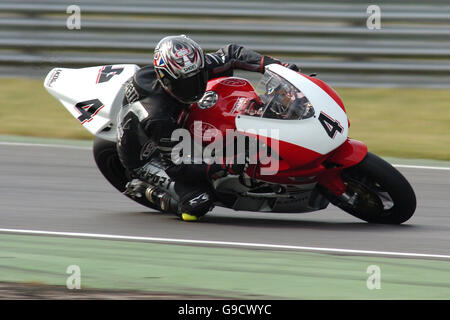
165 90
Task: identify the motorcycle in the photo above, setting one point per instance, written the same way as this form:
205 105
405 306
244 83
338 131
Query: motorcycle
316 162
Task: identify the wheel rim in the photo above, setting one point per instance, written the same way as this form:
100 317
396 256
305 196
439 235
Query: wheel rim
369 197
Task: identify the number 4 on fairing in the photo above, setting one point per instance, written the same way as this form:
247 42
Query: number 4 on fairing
88 109
106 73
330 125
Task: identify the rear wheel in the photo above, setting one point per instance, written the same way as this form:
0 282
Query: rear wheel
376 192
108 162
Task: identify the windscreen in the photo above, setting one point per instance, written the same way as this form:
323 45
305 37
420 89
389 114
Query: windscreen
281 100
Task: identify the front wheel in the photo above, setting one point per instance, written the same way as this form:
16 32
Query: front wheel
376 192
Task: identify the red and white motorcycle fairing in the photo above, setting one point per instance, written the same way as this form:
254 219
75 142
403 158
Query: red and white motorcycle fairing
302 146
317 162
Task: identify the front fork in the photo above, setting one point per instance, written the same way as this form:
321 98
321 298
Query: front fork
333 182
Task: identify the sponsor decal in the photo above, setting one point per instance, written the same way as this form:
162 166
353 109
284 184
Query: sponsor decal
199 199
54 77
204 130
189 68
234 82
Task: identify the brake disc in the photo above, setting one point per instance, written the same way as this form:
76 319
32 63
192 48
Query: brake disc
367 202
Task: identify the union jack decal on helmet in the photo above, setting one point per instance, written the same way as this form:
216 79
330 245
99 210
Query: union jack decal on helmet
158 61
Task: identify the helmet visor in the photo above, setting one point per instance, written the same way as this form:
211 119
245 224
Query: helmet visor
191 89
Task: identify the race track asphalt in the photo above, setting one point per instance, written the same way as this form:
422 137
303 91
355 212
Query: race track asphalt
60 189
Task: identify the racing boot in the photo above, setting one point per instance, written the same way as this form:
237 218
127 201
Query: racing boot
180 193
194 205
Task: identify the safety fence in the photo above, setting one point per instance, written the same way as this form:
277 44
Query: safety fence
410 46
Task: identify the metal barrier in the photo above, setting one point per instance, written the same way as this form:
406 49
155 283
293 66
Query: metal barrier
330 38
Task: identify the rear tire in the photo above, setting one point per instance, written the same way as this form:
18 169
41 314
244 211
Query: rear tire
381 193
108 162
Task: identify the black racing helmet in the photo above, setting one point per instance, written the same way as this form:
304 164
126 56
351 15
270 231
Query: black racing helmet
180 67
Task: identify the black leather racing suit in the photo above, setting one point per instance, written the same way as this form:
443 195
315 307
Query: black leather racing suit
143 126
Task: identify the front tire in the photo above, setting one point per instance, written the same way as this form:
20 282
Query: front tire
376 192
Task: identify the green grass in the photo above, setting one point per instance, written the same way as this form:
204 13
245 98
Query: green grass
27 109
217 272
408 123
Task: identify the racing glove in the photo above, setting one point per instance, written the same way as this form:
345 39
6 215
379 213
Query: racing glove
291 66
